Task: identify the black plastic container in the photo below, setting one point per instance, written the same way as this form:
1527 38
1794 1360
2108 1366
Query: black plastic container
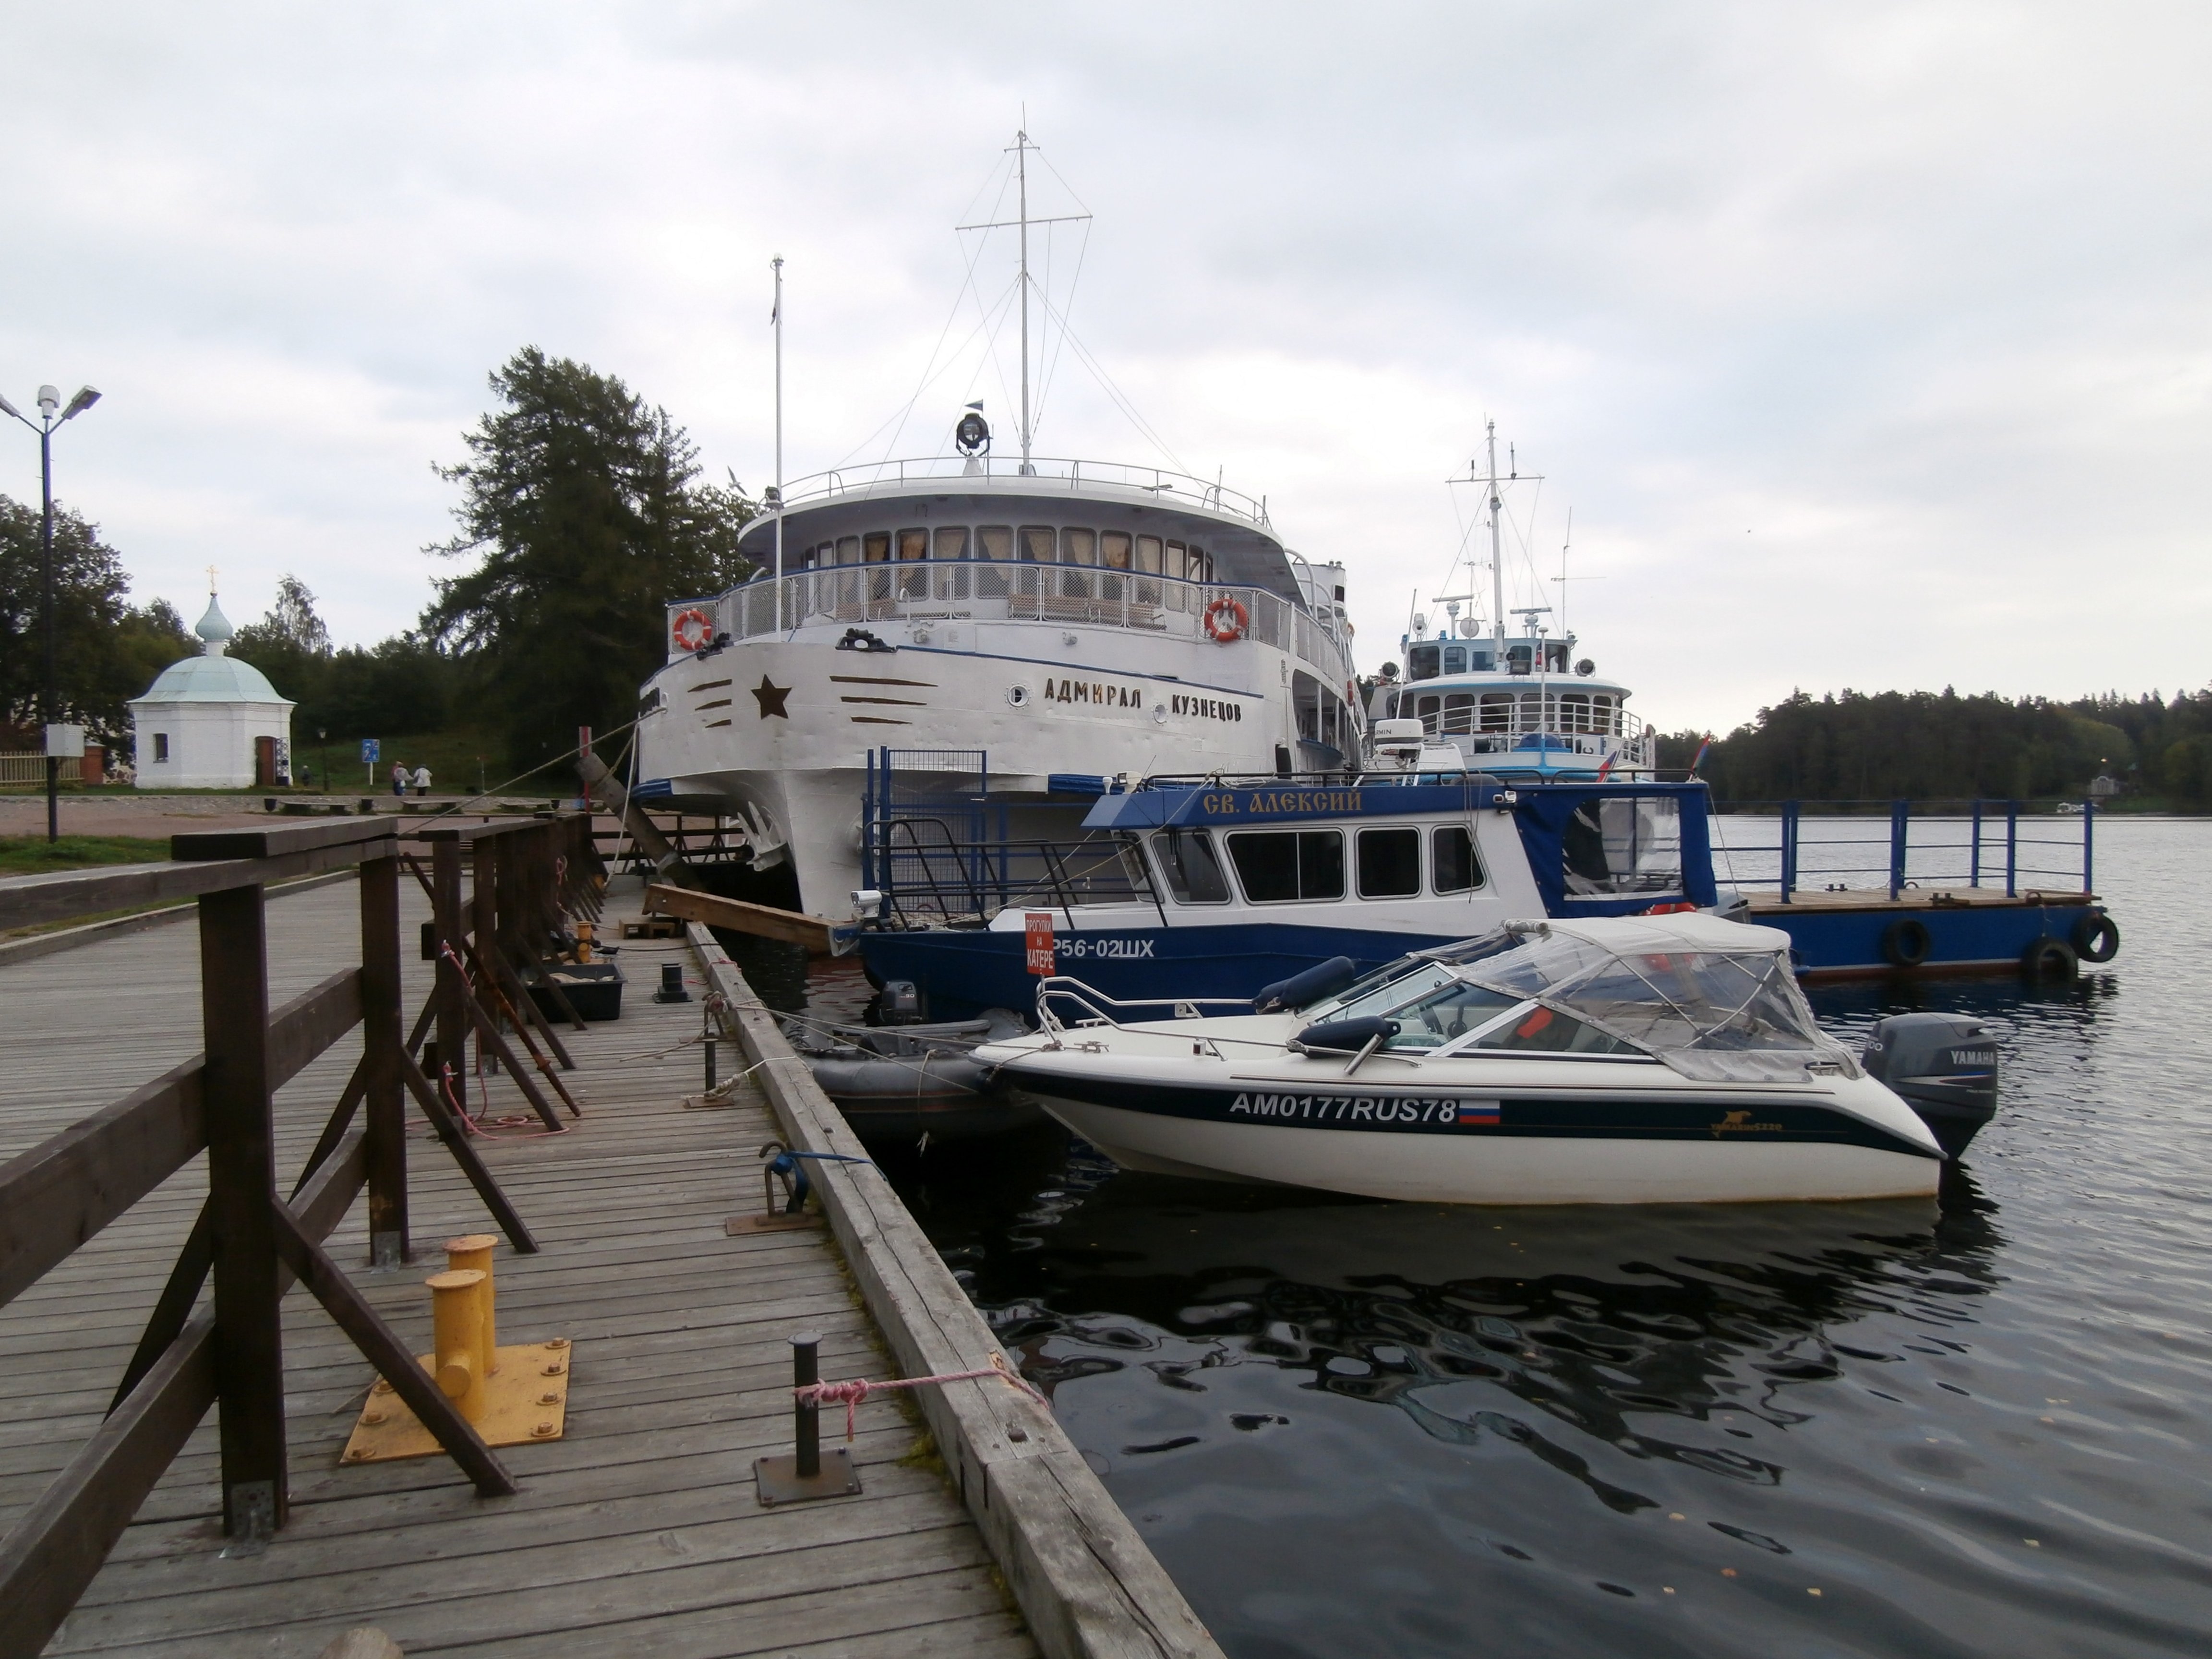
593 989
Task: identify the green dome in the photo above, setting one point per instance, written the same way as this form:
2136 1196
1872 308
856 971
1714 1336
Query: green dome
211 680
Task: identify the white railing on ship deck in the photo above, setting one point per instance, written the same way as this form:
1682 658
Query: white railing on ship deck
1629 737
1048 474
978 590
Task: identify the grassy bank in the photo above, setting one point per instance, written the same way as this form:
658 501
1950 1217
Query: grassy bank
31 856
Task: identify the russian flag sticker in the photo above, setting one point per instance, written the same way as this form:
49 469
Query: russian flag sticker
1477 1112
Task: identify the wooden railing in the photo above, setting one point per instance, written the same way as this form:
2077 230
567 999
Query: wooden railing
252 1242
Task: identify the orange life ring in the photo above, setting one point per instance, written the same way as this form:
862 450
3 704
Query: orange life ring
692 629
1226 619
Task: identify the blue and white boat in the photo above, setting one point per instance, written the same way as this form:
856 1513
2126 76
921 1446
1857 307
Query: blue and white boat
1202 891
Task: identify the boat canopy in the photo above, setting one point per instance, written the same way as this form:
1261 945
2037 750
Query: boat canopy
1714 1001
1603 849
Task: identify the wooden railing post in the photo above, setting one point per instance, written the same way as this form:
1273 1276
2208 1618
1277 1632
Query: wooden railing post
249 1338
484 924
385 1096
453 1018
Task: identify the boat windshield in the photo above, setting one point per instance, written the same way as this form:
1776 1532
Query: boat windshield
1718 1016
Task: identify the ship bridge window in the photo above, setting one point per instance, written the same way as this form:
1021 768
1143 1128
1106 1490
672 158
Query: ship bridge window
1079 547
1390 863
1623 844
948 542
1279 866
1455 659
1037 545
1421 662
1189 867
994 541
913 549
876 547
848 550
1148 555
1113 550
1454 867
914 544
1519 659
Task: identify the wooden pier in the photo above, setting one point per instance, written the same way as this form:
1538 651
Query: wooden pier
639 1531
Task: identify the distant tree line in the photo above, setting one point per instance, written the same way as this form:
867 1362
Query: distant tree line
1854 745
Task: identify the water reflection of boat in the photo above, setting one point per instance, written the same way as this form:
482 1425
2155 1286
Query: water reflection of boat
1622 1060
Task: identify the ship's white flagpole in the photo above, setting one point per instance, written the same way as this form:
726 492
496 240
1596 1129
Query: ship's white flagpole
776 318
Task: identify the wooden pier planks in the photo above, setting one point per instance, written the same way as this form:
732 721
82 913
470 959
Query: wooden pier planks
639 1532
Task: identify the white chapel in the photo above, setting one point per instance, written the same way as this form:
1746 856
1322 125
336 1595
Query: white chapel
212 721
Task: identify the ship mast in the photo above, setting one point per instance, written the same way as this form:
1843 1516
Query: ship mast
1020 149
1496 560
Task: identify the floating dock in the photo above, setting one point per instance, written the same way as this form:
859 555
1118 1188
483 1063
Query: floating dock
641 1529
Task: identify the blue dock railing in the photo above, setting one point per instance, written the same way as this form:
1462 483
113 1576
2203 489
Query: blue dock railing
1949 844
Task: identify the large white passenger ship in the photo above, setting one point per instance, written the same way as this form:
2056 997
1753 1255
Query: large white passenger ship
1042 617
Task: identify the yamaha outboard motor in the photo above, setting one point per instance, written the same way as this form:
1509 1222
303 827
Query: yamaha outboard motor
1942 1066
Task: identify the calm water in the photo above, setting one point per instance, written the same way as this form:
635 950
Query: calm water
1976 1428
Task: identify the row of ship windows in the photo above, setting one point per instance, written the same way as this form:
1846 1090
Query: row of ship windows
1426 662
1514 711
1283 866
1030 544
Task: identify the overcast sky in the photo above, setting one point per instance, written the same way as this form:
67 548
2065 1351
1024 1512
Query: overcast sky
1871 346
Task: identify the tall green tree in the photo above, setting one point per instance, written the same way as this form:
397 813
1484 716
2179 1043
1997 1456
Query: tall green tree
583 512
105 649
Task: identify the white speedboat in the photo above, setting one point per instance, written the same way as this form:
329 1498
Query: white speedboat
1643 1060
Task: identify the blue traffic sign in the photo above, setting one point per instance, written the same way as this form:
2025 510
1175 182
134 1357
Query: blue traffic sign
369 752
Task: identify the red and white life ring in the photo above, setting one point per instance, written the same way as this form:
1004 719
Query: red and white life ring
691 629
1226 619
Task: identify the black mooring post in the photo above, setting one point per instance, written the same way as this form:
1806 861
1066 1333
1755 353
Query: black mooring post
806 1416
708 1039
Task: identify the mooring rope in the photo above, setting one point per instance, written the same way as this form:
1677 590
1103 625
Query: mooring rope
851 1392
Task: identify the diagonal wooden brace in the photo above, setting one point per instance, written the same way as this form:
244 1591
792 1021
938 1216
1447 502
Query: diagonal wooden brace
389 1355
456 1137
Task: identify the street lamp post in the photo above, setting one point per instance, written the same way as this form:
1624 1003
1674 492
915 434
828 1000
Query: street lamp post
49 699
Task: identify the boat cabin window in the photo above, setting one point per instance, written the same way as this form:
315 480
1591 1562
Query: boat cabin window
1148 555
1447 1014
1459 712
1453 865
1278 866
1037 546
1390 863
1113 550
1190 868
1623 844
914 544
1079 547
876 547
951 542
1498 711
1519 659
994 541
1421 661
1454 658
1602 714
1535 1029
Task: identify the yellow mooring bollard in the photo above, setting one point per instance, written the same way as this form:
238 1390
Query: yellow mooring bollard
512 1395
457 1317
471 1253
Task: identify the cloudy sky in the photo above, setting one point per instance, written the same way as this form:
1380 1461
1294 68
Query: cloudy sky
1870 346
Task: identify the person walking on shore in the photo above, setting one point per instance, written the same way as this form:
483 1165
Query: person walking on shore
398 779
421 779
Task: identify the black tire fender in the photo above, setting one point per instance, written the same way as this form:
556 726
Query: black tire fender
2096 938
2049 958
1905 942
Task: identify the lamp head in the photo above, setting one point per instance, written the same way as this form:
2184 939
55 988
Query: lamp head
50 399
85 398
7 408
